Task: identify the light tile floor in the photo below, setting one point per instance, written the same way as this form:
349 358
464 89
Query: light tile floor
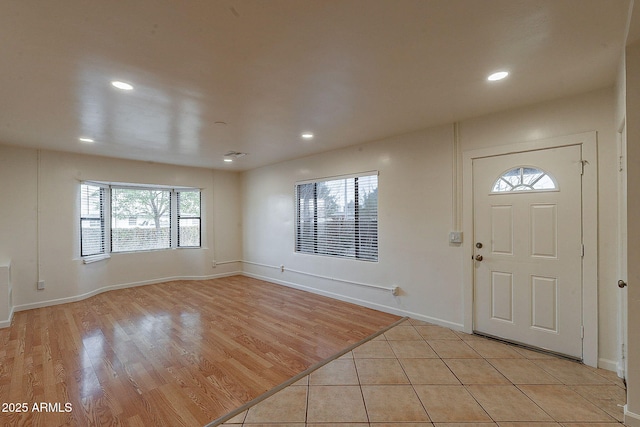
418 374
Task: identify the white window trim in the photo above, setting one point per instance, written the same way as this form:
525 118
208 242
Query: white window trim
335 177
555 188
108 186
296 215
95 258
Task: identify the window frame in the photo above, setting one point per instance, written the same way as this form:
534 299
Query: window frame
104 202
321 243
522 187
179 216
107 212
112 227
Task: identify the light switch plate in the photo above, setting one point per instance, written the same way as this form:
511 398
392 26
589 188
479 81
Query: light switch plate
455 237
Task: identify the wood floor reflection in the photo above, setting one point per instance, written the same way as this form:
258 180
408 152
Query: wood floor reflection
174 354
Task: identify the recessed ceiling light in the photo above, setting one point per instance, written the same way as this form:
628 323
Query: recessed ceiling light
498 76
228 160
121 85
83 139
307 135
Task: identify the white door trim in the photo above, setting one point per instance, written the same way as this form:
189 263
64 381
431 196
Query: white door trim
622 367
588 142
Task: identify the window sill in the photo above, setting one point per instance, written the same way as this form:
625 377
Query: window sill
95 258
146 251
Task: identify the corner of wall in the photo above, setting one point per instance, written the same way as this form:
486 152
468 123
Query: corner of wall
6 295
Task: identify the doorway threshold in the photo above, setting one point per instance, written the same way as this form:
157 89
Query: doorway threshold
528 347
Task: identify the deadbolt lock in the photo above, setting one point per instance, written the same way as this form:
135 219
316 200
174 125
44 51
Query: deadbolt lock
622 284
479 245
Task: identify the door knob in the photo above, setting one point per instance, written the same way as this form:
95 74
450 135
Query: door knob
478 257
622 284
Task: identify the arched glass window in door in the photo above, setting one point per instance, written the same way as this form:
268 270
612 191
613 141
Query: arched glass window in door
524 178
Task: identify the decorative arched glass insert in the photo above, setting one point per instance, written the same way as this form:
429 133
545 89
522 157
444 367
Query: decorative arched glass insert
524 178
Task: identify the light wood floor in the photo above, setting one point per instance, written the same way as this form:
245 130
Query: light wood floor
175 354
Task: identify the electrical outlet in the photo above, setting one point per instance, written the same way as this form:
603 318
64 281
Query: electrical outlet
40 285
213 264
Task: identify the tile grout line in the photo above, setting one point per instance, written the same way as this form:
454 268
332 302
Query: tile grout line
364 401
299 376
536 403
458 378
306 409
513 384
593 402
476 400
408 378
465 386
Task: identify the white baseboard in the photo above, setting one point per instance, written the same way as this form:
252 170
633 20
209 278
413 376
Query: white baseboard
114 287
609 365
621 369
631 419
7 323
380 307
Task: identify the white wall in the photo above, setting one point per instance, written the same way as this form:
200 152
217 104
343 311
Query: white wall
40 228
415 218
416 212
18 218
632 414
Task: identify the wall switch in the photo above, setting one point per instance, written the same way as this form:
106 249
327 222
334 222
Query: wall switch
455 237
40 285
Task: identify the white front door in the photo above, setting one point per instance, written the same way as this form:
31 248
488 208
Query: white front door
528 248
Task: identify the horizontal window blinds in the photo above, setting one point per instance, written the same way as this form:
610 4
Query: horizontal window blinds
338 217
92 198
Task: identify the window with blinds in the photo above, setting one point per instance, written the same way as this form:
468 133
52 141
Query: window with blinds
92 226
188 218
128 218
338 217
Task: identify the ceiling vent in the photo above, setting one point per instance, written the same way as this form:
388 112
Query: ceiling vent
235 154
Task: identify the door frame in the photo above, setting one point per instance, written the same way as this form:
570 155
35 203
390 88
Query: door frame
622 367
588 143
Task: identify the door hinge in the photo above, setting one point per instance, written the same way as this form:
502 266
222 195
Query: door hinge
582 332
582 255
